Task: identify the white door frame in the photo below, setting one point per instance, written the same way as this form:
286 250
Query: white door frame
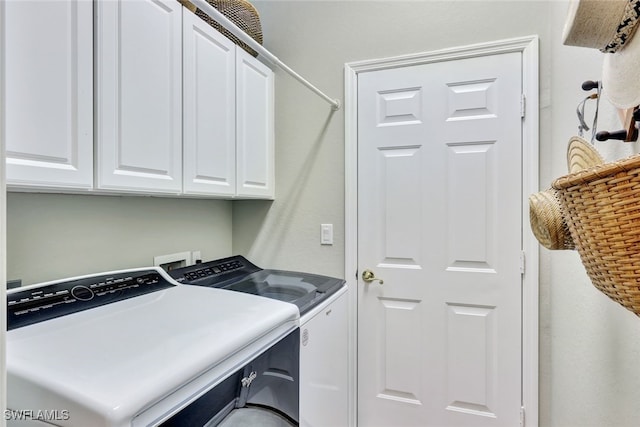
528 46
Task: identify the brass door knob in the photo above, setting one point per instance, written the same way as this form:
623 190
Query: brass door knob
368 276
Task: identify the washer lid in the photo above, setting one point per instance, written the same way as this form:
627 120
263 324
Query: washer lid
306 290
109 363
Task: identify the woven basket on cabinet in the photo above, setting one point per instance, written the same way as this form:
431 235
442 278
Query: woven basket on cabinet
240 12
602 208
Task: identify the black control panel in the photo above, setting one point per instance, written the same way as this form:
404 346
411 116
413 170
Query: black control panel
215 273
59 299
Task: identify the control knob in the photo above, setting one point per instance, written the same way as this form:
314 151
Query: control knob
82 293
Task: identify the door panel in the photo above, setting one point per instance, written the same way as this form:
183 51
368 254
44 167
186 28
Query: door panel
400 170
471 382
439 196
470 231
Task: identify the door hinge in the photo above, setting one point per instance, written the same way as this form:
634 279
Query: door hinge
522 416
523 105
523 262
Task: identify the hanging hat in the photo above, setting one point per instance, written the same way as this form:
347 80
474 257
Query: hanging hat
547 223
620 81
609 25
581 155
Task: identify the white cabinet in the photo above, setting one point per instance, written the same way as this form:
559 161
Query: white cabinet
139 96
228 116
255 131
179 108
324 371
48 93
209 109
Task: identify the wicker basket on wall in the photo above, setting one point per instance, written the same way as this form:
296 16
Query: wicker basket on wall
602 208
240 12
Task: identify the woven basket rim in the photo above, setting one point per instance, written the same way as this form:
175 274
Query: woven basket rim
597 172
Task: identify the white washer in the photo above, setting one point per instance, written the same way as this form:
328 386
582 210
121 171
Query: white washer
322 302
134 348
324 373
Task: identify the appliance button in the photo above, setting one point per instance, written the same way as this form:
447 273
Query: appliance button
82 293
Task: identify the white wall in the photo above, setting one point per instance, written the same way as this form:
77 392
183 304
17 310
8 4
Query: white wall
53 236
589 346
317 38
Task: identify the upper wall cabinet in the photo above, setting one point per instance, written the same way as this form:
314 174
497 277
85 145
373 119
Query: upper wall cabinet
228 116
255 132
48 93
171 108
209 109
139 96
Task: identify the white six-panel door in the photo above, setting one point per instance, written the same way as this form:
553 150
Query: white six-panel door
439 221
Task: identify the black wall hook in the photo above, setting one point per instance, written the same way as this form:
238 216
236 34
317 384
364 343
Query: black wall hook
620 135
590 85
630 133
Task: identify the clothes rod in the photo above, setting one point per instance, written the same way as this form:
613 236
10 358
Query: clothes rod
233 28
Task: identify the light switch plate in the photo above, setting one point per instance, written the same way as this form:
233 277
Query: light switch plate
326 234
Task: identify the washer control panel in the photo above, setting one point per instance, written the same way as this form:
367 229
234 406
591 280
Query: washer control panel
40 303
215 273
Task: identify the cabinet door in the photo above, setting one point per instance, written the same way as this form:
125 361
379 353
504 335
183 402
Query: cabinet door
255 133
139 95
324 371
209 102
48 93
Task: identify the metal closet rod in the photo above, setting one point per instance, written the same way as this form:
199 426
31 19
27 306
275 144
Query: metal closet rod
225 22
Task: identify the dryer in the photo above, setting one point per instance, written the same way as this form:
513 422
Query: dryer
135 348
